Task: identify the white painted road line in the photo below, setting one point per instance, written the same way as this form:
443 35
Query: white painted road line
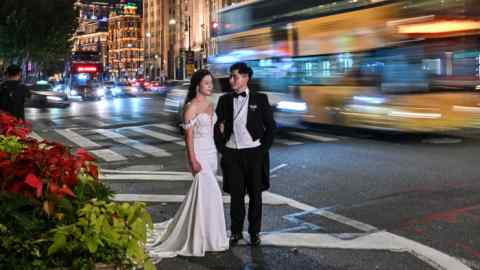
108 155
152 177
278 168
158 135
148 149
35 135
374 241
288 142
267 200
97 123
435 258
166 127
314 137
77 138
347 221
143 172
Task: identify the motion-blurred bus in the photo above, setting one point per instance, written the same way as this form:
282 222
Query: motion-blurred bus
407 65
85 75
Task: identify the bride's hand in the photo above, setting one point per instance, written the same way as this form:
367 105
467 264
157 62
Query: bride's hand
195 167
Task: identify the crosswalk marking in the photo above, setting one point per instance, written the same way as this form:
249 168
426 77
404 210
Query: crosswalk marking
108 155
314 137
267 200
167 127
77 138
98 123
35 135
158 135
187 177
144 148
287 142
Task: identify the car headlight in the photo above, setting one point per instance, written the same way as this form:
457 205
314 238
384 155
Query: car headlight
100 92
116 90
477 87
74 93
53 98
134 89
292 106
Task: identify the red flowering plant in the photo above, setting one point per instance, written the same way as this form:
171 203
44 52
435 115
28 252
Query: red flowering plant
44 171
56 214
42 186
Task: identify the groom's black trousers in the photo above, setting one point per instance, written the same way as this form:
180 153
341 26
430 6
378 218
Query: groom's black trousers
244 168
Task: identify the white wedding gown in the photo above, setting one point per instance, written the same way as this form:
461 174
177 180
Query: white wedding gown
199 224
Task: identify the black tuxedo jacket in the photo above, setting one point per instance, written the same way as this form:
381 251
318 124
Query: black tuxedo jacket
260 125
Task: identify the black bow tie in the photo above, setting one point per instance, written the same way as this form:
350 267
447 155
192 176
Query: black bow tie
236 95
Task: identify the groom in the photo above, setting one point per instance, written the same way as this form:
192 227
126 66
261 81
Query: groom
244 135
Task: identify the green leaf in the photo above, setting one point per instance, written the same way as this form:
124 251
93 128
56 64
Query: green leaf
59 242
92 245
148 265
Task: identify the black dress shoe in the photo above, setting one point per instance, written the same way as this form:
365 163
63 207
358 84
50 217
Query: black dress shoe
234 238
255 240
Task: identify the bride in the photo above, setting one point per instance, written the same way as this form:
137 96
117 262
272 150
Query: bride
199 225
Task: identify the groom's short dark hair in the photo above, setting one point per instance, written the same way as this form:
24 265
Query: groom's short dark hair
242 68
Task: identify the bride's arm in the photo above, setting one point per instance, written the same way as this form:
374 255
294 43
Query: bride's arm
188 117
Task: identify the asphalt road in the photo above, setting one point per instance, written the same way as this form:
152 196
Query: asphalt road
340 198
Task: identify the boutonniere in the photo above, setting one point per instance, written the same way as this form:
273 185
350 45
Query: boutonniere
253 107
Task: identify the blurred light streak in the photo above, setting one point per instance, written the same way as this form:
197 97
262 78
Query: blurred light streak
436 27
415 115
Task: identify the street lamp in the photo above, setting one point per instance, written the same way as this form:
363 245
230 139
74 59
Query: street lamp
171 53
149 35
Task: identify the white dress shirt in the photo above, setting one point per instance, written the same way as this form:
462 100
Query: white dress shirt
241 138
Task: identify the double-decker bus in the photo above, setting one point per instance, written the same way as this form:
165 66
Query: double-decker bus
408 65
85 75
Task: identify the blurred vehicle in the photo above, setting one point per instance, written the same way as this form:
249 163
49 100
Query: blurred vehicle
84 75
108 88
123 89
157 87
44 96
385 64
93 90
287 108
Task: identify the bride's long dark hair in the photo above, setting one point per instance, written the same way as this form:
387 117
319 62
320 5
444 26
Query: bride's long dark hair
197 77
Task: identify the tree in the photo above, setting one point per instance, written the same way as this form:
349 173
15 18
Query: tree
38 31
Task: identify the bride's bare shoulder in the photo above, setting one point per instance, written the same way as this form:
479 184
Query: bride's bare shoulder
190 109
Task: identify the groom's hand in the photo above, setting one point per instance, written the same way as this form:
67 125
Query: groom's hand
222 128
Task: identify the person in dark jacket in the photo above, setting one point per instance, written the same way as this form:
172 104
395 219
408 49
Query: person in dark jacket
244 142
13 93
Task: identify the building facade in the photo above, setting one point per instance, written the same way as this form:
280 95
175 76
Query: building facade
125 43
92 32
177 35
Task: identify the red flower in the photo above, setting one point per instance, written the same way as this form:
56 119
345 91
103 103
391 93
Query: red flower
36 183
93 170
67 191
84 155
53 187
